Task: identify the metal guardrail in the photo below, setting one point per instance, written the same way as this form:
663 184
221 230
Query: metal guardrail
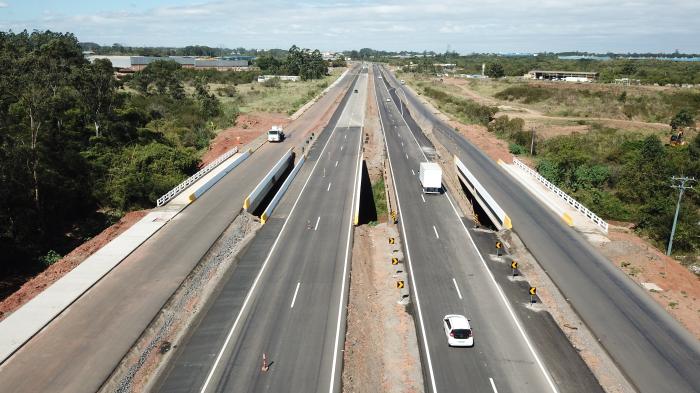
192 179
561 194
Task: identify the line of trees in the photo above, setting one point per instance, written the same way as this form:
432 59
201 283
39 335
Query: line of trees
302 62
77 150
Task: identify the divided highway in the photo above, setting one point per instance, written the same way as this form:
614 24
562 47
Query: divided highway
78 350
653 350
294 311
449 276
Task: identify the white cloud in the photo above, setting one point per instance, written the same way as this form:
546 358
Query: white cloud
3 4
487 25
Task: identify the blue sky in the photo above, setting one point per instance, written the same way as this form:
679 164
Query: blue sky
466 26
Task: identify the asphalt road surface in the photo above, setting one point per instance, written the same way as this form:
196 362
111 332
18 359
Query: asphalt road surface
294 311
651 348
450 277
79 349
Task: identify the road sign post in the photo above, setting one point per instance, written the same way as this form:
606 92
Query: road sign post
399 284
498 249
391 240
514 267
533 292
394 261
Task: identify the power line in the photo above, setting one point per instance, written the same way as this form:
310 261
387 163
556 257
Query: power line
680 184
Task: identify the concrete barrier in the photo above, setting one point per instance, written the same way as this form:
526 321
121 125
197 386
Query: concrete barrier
280 193
206 186
492 209
252 201
356 202
192 179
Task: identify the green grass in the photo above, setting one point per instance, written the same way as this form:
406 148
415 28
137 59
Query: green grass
379 195
287 98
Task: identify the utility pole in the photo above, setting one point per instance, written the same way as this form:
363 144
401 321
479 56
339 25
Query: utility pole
681 183
532 142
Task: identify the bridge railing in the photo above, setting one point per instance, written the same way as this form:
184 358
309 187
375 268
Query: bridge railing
192 179
561 194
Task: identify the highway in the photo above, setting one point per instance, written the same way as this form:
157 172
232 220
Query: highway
651 348
449 276
294 311
79 349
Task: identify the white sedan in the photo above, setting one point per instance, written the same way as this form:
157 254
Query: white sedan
458 331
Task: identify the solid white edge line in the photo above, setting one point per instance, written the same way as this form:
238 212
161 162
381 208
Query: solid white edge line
262 269
317 220
422 197
355 193
436 234
294 299
493 385
408 258
457 288
493 279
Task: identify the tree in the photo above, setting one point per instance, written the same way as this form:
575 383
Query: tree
97 86
495 70
684 118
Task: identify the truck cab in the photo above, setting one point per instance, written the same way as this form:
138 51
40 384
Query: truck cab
275 134
430 176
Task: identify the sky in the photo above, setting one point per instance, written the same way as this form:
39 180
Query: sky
502 26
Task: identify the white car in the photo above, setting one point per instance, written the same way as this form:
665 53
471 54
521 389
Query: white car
458 331
388 100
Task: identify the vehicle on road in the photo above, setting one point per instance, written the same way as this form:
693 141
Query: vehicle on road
388 100
403 82
430 176
275 134
380 77
458 331
355 90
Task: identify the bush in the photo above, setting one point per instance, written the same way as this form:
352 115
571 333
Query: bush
525 94
272 82
471 111
517 149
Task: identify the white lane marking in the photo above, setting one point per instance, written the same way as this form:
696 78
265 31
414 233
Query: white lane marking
329 187
317 220
436 234
294 299
341 309
407 156
493 280
262 270
423 198
341 148
458 292
336 163
414 172
346 137
401 143
410 265
493 385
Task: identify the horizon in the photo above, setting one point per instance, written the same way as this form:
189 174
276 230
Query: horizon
593 26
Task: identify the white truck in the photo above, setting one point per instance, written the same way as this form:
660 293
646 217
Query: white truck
275 134
430 176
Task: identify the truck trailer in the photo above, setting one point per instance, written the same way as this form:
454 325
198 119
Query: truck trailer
430 176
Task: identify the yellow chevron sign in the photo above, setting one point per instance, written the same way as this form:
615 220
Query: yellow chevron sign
394 261
399 284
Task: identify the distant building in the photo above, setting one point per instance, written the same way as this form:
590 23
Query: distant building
291 78
569 76
138 63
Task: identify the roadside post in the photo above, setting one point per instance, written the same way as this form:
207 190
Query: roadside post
498 249
394 261
514 267
533 292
